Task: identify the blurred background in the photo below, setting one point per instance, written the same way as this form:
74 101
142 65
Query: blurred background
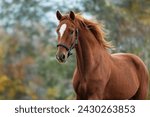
28 68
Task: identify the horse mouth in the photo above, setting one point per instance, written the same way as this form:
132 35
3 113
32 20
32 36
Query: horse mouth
61 61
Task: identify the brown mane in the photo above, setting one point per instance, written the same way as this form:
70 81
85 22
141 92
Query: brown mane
97 29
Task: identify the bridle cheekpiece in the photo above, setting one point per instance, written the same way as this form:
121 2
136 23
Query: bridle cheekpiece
69 49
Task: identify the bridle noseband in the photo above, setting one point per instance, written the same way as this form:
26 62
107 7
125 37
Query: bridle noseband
72 45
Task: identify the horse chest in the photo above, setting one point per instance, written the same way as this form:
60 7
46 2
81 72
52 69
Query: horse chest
84 90
81 89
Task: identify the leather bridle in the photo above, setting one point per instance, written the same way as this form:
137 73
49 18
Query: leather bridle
72 45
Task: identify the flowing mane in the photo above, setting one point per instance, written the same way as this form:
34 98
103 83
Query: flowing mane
97 29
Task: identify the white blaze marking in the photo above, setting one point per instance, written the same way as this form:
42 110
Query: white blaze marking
62 29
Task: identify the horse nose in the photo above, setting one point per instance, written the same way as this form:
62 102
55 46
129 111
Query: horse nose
60 57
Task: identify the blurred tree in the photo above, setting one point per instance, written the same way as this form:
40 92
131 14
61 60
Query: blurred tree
29 56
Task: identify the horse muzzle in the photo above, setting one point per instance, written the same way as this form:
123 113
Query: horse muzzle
61 57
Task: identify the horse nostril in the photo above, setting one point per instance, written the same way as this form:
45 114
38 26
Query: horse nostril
62 56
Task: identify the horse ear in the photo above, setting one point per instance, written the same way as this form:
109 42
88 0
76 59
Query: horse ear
72 15
58 15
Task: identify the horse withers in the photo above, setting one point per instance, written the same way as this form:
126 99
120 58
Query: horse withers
99 74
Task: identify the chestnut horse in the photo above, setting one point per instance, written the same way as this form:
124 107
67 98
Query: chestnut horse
99 74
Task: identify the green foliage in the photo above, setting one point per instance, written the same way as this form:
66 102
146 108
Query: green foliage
11 88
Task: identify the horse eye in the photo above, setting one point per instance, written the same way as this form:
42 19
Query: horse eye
71 32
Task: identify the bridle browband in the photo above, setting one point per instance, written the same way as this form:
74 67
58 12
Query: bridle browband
72 45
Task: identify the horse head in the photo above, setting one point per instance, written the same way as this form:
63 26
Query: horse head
67 36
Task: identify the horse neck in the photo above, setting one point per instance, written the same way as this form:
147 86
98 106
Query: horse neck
89 53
